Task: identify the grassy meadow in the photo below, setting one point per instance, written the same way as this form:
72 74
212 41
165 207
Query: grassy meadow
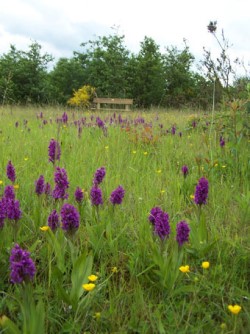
139 287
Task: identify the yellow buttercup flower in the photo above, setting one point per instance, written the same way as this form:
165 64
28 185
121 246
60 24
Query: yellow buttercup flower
184 269
163 191
223 166
25 159
16 186
88 286
192 196
114 270
97 315
1 182
106 147
158 171
92 278
234 309
145 153
205 265
44 228
134 152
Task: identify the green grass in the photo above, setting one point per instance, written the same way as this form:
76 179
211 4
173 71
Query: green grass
148 293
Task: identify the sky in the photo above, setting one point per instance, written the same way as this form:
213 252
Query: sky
60 26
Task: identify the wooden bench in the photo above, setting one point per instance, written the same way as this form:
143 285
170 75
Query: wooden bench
116 101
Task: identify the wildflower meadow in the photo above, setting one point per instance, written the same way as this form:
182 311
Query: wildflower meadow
124 222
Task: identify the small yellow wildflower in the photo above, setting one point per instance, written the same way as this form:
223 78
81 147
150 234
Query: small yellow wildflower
114 270
1 182
145 153
64 126
223 166
192 196
92 278
88 286
44 228
3 320
234 309
158 171
223 326
184 269
134 152
215 165
205 265
16 186
163 191
97 315
106 147
25 159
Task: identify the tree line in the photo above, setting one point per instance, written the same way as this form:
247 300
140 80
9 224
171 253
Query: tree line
150 77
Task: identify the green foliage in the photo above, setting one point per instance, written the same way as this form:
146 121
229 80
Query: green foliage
140 287
67 76
147 75
23 76
105 62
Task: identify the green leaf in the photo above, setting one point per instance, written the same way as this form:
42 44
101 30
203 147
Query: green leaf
8 326
80 272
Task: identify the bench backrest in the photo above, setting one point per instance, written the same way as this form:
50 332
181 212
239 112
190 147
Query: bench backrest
112 101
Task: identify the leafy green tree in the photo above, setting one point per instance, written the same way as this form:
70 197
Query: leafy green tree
180 79
147 75
67 75
24 75
105 61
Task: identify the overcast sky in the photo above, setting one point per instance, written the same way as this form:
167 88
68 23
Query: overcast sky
60 26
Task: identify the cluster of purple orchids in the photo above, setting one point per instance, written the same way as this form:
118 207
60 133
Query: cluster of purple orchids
160 219
9 205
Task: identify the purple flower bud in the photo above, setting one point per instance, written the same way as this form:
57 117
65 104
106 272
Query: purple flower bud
22 267
173 130
65 118
222 142
153 213
10 171
99 122
9 192
117 195
78 195
13 211
99 176
184 170
161 226
61 184
54 151
70 218
182 232
39 185
96 196
201 192
53 220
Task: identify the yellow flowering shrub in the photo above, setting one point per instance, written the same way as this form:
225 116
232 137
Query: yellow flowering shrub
82 97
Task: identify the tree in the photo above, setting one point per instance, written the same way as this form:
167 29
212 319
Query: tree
105 62
147 75
23 75
67 75
180 80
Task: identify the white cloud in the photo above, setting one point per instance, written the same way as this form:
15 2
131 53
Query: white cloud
61 26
